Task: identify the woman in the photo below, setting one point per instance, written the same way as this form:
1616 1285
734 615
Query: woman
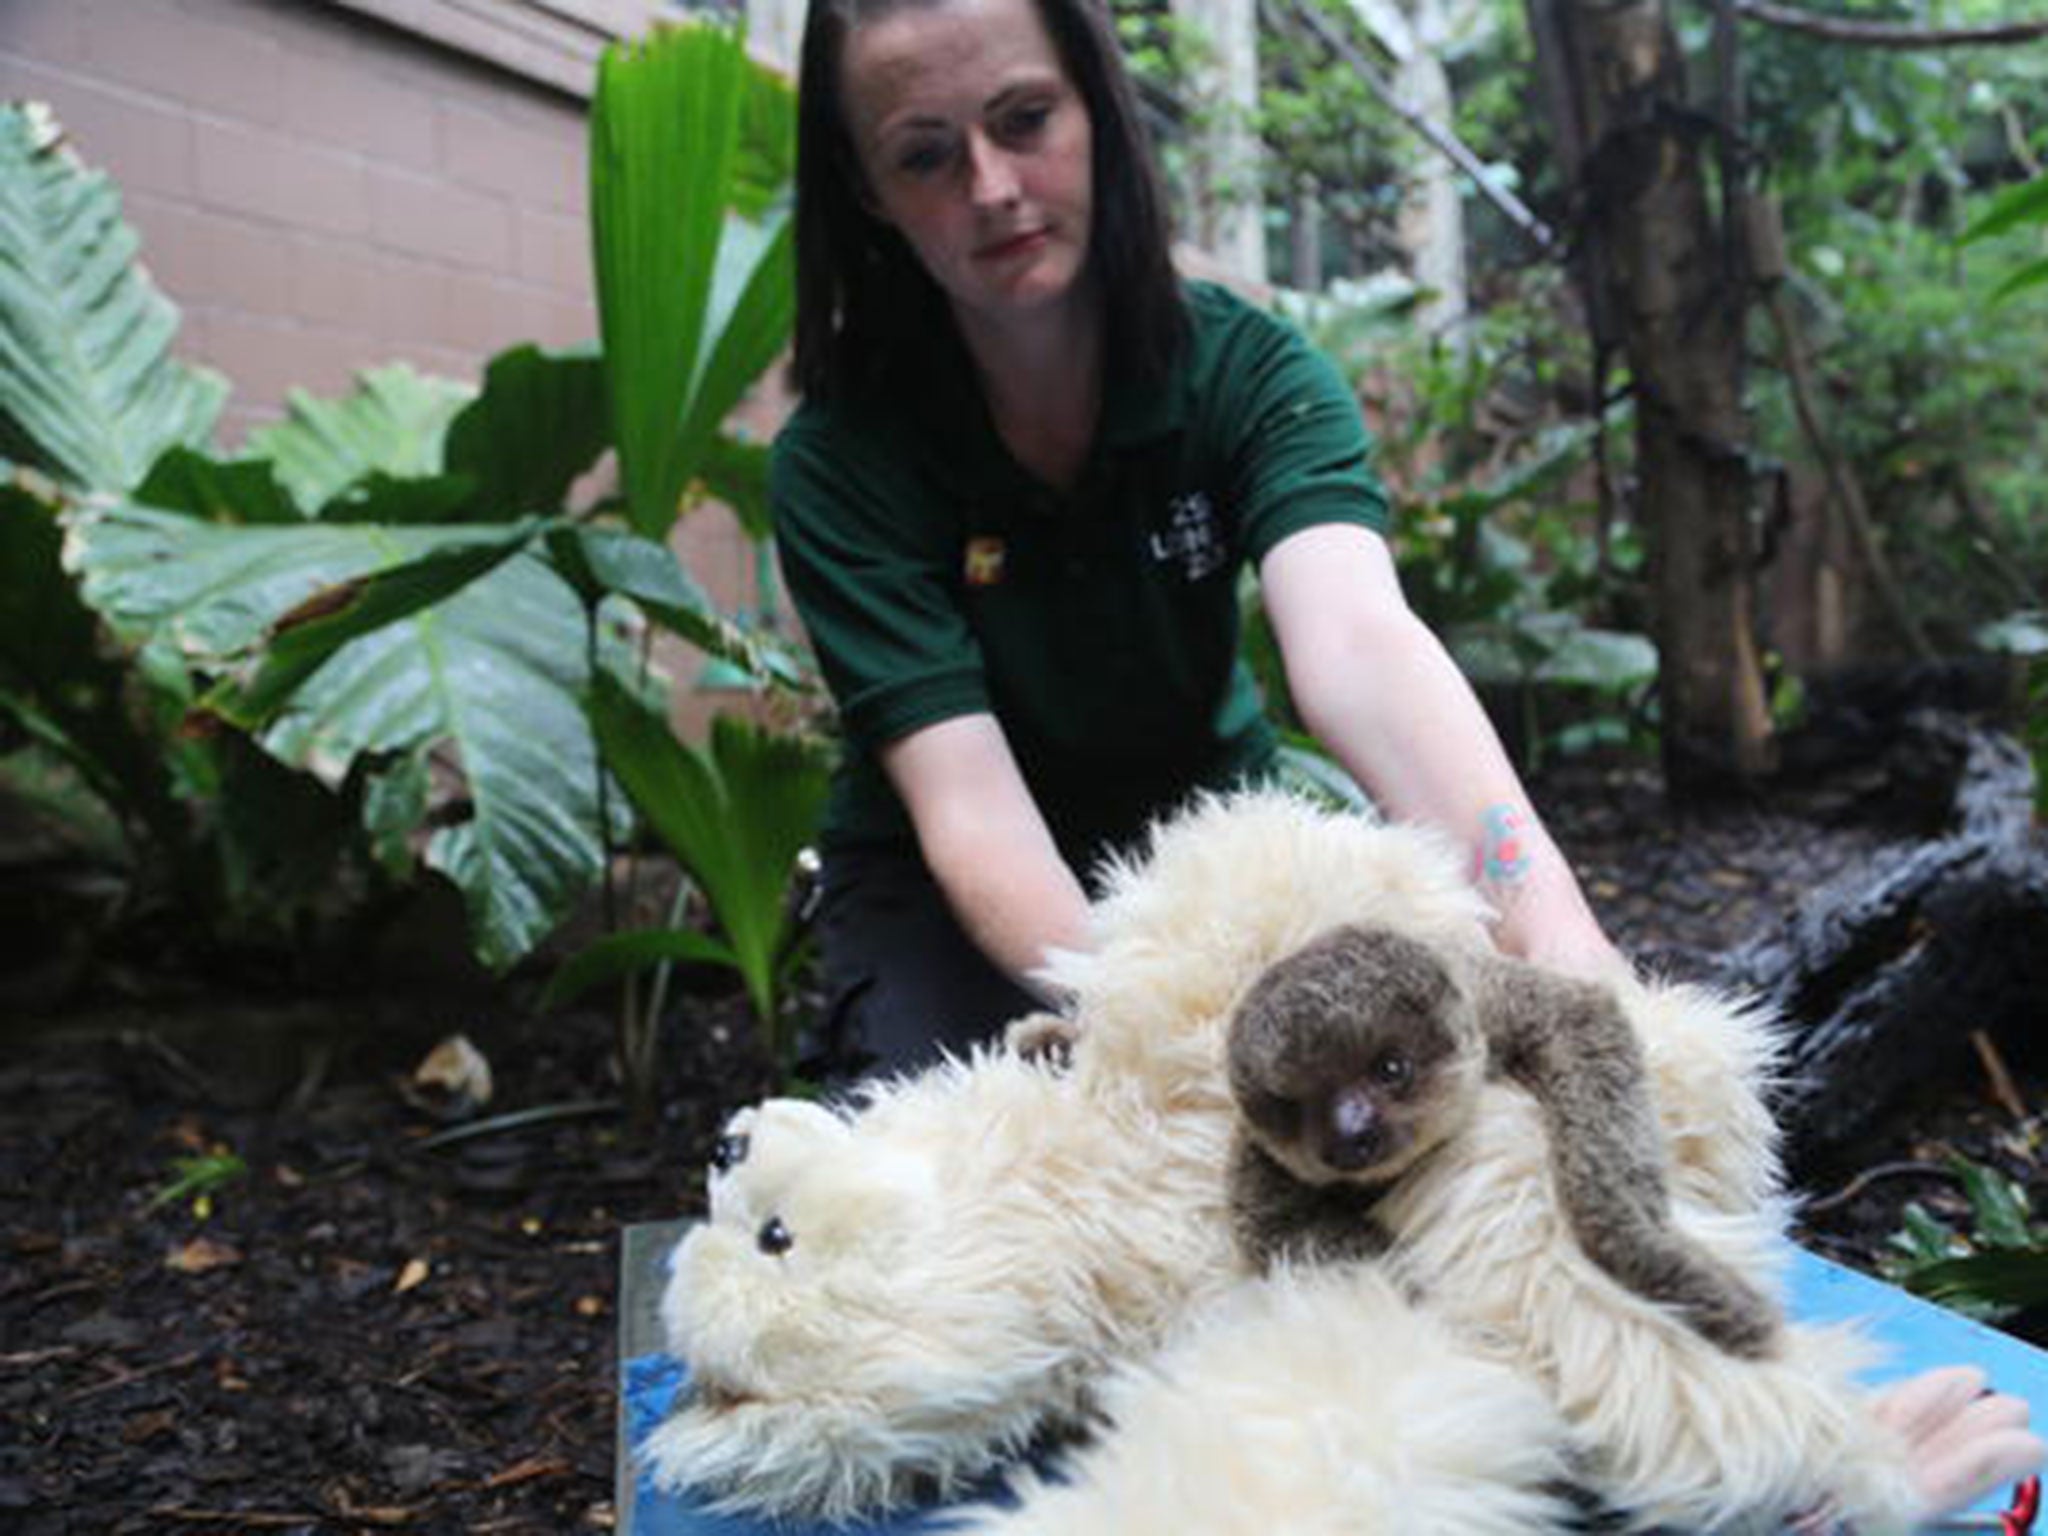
1011 509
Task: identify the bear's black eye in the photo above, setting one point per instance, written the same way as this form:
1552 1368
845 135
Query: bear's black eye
1393 1070
728 1151
774 1238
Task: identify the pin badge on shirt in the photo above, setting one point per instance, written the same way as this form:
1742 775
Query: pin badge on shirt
983 565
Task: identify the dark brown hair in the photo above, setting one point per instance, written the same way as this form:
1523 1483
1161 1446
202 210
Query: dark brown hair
865 305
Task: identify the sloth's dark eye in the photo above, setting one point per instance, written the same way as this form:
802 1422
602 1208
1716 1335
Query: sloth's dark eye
774 1238
728 1151
1392 1070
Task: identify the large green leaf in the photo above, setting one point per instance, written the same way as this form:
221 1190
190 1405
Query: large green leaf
753 305
2012 208
215 590
302 641
540 422
663 129
693 298
394 421
88 388
735 817
764 169
484 674
490 686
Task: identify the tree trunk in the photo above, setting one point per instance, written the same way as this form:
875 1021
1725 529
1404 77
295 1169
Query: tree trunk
1432 220
1658 284
1228 217
1305 240
1415 34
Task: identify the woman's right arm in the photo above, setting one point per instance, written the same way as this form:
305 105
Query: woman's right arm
872 558
986 844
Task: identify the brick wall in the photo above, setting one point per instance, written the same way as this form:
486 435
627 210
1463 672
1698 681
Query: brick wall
321 191
317 190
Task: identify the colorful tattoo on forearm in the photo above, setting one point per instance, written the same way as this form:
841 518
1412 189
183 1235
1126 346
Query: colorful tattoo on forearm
1503 846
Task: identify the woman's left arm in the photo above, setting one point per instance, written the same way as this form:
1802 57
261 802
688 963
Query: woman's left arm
1382 694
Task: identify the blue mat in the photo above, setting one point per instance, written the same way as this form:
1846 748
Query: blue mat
1917 1334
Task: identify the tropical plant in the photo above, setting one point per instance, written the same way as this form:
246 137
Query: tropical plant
1934 397
393 591
90 399
1879 158
373 653
692 242
1994 1268
735 815
2024 633
92 395
1897 133
1494 551
692 148
1510 605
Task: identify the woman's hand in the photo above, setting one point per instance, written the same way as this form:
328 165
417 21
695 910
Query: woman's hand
1963 1440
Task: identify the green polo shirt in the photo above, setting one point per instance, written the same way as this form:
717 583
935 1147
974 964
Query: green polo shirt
937 577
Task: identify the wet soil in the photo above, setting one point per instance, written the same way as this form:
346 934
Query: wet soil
367 1329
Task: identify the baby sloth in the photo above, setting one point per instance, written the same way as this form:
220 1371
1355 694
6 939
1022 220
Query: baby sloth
1355 1057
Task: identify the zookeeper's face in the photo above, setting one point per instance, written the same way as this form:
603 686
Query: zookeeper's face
975 146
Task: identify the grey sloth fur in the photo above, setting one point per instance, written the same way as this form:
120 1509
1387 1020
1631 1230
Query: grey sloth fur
1355 1057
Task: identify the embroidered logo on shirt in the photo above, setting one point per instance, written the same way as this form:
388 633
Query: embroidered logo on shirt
1193 537
983 565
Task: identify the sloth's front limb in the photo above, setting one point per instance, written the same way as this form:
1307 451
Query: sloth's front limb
1569 1043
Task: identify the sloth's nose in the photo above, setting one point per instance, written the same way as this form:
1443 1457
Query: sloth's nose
1351 1139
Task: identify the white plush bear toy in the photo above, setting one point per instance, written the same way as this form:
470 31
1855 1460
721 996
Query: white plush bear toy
896 1298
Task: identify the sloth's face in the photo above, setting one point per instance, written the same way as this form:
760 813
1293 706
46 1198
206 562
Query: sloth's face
1344 1057
1374 1105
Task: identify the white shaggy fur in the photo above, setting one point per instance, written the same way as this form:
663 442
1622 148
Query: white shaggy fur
954 1284
1011 1234
1316 1404
1668 1426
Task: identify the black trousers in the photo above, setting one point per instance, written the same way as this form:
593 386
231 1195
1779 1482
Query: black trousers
902 979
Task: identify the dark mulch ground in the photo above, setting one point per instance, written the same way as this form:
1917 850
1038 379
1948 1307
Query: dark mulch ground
368 1334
